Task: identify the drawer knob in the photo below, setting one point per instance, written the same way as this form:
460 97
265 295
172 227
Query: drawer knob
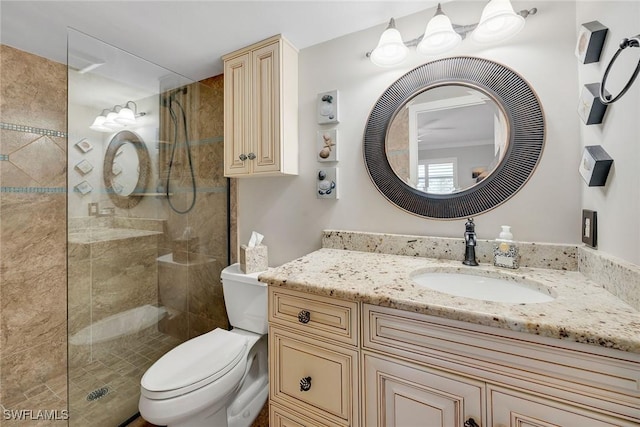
471 423
305 384
242 157
304 316
251 156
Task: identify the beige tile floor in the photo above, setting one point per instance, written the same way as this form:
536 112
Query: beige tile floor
120 373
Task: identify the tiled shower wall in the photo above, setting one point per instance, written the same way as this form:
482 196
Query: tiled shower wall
33 270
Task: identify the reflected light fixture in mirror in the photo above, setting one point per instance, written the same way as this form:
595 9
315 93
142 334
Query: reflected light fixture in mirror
127 116
110 121
117 118
498 22
98 123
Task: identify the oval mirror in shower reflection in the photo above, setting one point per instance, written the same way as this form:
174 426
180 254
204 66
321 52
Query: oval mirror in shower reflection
126 169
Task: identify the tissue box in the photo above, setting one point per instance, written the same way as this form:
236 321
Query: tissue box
253 259
183 249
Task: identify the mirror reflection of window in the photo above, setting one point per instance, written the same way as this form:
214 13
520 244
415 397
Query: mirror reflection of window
440 176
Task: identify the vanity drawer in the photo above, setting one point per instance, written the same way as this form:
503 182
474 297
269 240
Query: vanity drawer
324 317
314 377
280 416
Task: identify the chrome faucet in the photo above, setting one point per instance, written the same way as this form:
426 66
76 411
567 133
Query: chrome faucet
470 243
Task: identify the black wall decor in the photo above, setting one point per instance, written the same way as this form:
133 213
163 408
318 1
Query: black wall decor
590 107
590 41
595 165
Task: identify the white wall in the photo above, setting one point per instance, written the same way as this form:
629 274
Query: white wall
617 203
547 208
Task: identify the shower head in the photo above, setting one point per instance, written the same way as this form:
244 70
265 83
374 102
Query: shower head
168 97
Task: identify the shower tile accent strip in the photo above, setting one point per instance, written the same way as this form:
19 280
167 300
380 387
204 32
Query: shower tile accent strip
5 158
33 190
30 129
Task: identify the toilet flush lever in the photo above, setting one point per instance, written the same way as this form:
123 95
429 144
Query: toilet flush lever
305 384
304 316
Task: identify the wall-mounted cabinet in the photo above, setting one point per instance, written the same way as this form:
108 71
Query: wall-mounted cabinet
261 109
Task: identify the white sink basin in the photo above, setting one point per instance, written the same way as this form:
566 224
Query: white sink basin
484 288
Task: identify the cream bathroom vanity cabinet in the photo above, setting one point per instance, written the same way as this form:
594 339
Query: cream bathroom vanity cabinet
344 363
261 109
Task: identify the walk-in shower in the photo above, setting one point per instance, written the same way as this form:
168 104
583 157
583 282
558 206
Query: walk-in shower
147 222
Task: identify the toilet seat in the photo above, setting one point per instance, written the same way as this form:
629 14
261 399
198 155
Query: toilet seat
187 367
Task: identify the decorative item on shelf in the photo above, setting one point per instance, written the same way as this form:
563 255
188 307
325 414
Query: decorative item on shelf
591 38
84 167
83 188
498 23
607 98
326 185
595 165
327 141
328 107
589 228
84 145
116 118
590 108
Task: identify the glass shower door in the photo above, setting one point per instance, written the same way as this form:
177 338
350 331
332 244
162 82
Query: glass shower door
147 222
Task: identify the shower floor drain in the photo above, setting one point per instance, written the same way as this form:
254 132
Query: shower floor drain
97 394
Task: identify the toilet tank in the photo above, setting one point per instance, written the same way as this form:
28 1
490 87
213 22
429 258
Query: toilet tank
246 300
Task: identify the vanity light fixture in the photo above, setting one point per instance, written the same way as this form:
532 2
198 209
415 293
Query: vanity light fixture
498 22
391 50
116 118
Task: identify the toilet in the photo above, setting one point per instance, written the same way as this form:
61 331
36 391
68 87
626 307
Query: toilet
218 379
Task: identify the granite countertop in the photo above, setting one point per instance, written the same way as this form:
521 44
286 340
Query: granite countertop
582 310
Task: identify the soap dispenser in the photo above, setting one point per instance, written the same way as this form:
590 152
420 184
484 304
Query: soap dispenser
505 251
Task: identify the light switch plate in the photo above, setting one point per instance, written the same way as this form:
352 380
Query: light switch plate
589 228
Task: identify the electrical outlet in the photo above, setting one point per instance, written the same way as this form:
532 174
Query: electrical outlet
589 228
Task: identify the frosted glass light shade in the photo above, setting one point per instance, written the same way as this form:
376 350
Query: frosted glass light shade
439 36
126 117
111 122
98 125
497 23
391 50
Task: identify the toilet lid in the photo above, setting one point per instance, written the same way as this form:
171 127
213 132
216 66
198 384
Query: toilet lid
196 362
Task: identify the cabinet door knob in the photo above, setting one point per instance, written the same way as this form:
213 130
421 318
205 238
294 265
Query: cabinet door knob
242 157
304 316
305 384
252 156
471 423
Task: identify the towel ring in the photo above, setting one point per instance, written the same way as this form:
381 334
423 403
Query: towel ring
625 43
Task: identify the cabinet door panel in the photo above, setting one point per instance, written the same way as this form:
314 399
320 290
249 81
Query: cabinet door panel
237 88
401 394
509 408
332 372
282 417
266 108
